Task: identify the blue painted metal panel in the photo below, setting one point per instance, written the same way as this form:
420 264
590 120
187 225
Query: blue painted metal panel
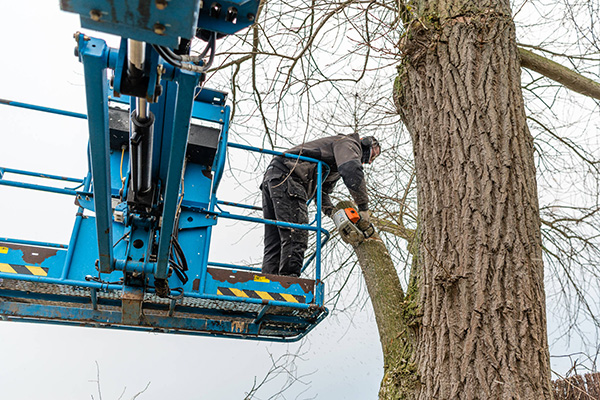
193 242
197 184
260 286
116 166
227 17
143 20
209 112
85 252
75 232
14 256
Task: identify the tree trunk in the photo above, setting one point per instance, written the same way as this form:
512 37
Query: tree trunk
395 314
483 332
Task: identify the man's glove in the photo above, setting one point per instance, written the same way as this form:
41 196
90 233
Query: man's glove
363 223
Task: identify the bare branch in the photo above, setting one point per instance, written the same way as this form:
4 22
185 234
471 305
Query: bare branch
563 75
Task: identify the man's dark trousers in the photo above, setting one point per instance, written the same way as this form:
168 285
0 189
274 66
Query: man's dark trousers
284 200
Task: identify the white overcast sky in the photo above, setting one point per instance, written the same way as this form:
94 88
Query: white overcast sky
341 359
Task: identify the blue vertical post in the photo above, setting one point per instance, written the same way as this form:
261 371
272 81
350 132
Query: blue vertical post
186 84
94 55
319 288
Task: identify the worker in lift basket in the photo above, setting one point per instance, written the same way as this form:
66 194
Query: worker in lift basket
288 184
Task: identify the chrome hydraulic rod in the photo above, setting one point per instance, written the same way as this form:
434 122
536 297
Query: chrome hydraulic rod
136 53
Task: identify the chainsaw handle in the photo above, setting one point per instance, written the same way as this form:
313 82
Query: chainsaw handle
370 231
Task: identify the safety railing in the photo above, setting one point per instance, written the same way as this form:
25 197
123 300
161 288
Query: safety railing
322 235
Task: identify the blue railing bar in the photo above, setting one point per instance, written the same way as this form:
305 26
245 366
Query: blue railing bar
57 281
32 243
268 222
32 186
318 284
308 261
40 175
239 205
41 108
233 266
273 152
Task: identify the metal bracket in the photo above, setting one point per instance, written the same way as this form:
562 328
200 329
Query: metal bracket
132 300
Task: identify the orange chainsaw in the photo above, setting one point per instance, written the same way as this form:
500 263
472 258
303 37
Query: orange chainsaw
345 221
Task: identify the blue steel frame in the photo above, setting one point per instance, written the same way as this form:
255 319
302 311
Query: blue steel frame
133 246
211 211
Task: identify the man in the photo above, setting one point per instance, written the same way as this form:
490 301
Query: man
289 183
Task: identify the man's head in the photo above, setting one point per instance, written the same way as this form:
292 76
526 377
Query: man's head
370 149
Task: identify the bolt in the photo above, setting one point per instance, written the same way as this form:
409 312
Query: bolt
250 17
160 69
95 15
161 4
159 29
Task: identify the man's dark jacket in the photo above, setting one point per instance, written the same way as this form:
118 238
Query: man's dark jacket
342 153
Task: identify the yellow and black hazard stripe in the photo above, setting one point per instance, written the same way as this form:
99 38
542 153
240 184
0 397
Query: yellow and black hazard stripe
257 294
23 269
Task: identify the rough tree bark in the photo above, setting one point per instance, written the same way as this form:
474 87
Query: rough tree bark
483 328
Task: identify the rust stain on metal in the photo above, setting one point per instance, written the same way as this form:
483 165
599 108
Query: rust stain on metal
31 254
66 5
144 12
223 275
238 326
196 285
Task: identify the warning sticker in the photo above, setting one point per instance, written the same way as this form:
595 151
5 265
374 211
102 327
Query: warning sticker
258 278
3 250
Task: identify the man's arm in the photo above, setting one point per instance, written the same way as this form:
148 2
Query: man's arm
347 157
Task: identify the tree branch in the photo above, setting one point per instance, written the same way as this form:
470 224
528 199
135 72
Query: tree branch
563 75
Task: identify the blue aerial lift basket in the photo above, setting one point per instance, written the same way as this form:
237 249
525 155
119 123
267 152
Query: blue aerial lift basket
138 257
